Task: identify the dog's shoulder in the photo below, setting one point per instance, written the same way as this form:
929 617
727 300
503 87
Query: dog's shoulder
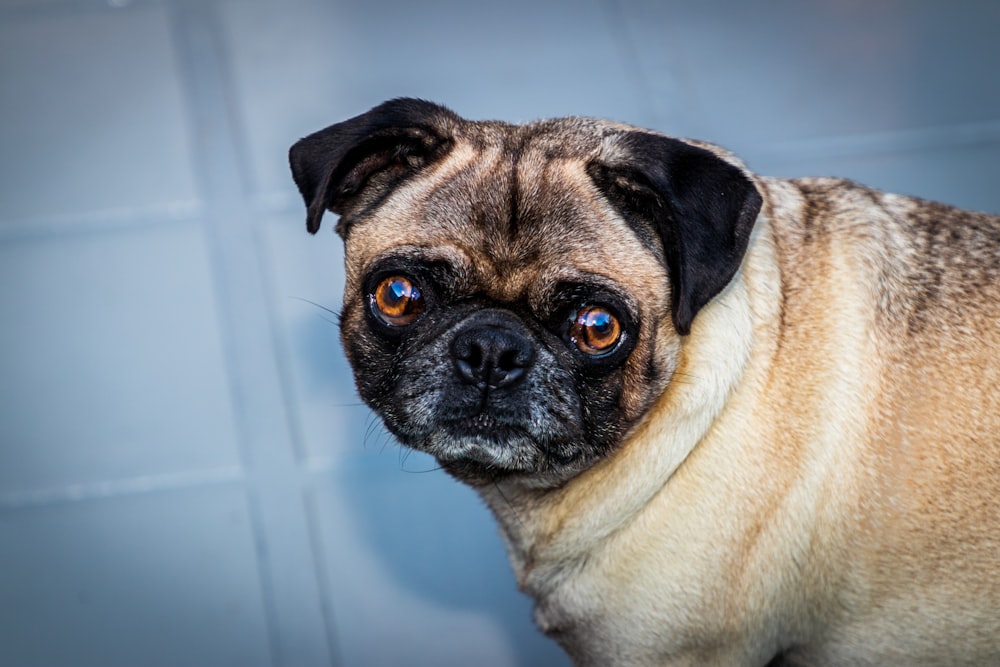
924 262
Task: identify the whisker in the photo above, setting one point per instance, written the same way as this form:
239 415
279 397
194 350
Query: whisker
349 404
335 322
684 378
371 424
510 505
404 457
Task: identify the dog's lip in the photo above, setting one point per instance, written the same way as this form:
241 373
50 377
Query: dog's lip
488 436
485 426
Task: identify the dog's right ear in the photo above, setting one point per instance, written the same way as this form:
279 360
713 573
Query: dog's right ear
360 160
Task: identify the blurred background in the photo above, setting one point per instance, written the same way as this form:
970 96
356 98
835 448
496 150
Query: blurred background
187 477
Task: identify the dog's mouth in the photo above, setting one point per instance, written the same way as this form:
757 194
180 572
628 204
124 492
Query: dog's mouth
487 440
488 446
484 426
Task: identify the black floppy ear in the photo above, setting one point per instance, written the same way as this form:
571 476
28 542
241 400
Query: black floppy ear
363 158
701 207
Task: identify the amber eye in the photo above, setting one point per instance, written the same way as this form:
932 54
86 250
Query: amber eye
397 301
595 330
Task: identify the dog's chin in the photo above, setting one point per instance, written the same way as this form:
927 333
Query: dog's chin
482 450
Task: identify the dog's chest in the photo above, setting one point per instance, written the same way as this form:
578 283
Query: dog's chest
606 609
584 625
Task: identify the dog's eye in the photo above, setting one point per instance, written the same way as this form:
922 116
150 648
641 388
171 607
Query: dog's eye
397 301
595 330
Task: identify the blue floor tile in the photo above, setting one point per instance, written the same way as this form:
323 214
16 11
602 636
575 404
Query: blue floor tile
153 579
93 115
116 345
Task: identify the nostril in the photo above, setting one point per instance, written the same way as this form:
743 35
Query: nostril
475 356
508 360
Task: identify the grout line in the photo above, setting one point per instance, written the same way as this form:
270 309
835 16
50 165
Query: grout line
121 487
200 68
320 562
100 221
269 443
194 48
265 577
281 351
254 203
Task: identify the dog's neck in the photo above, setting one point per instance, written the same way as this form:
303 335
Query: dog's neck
546 530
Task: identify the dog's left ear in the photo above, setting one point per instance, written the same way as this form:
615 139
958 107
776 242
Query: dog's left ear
363 158
701 207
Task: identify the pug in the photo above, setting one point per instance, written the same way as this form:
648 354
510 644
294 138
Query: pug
721 419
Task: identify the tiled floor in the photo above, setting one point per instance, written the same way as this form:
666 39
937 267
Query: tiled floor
186 475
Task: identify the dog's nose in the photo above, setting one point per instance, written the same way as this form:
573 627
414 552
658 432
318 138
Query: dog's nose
491 356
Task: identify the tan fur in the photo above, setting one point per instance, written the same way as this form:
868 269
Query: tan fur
835 495
816 473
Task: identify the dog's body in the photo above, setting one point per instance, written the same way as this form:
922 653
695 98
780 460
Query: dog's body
825 477
777 432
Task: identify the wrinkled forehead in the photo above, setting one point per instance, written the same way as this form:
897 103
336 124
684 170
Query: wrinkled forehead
508 206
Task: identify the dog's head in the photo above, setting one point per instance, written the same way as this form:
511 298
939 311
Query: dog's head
517 294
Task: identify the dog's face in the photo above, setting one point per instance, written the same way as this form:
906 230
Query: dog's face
516 295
